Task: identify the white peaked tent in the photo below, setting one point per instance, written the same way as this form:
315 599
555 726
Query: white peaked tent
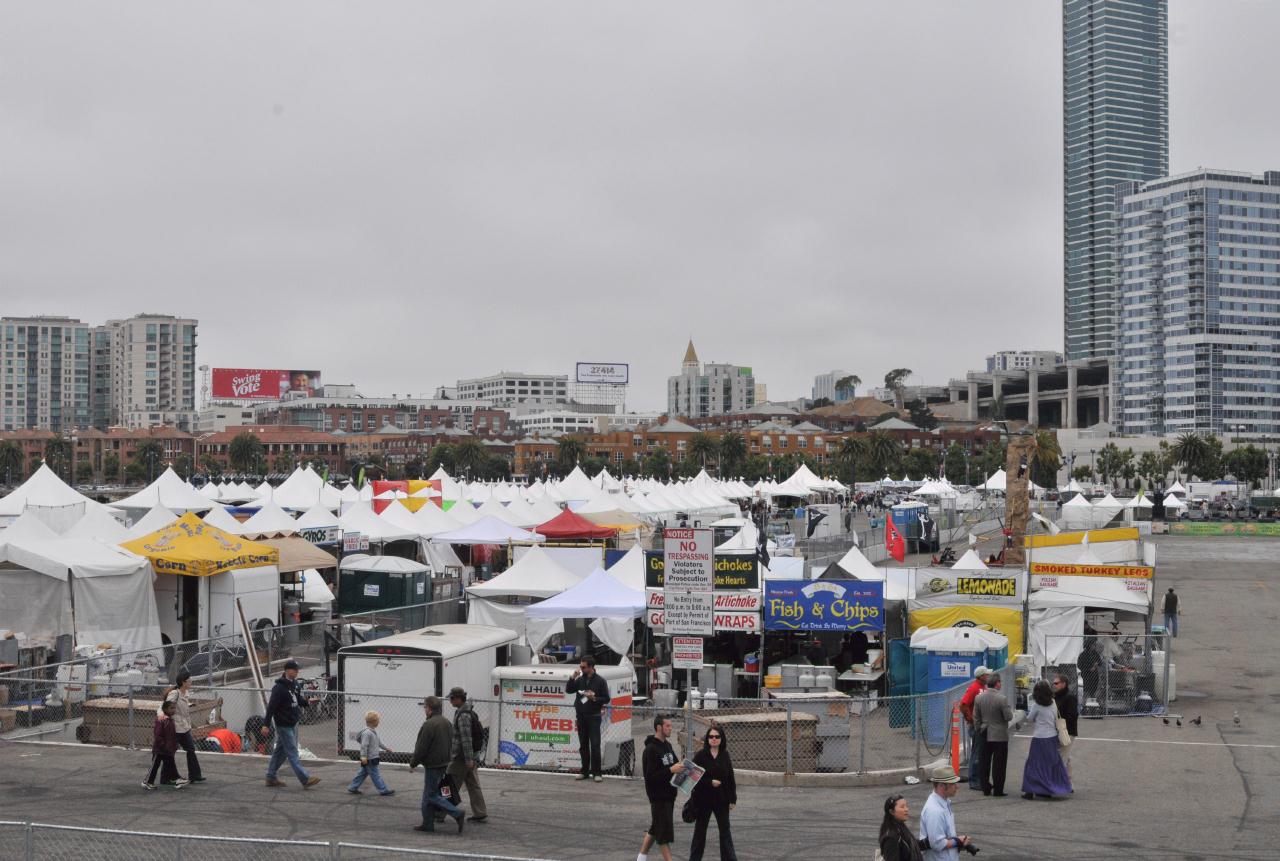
744 541
1172 502
996 481
488 530
78 586
523 514
98 525
448 487
576 486
360 518
218 517
28 527
1140 501
303 489
170 491
1178 488
153 521
316 517
1077 513
210 491
314 589
464 512
269 521
493 508
629 570
856 566
607 482
50 498
534 575
599 596
1105 510
349 494
432 520
402 518
970 561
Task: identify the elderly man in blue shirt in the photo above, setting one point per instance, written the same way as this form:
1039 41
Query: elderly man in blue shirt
937 823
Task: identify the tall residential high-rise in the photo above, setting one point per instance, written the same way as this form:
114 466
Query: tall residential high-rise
153 371
824 386
712 389
45 376
1199 334
1115 113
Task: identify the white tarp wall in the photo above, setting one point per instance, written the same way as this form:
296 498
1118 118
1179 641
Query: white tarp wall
1055 634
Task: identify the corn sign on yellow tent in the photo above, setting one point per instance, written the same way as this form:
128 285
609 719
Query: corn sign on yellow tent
193 548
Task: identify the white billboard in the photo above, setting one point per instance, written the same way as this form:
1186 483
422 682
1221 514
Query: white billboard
609 373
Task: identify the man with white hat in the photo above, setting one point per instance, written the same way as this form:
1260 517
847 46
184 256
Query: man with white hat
977 686
937 823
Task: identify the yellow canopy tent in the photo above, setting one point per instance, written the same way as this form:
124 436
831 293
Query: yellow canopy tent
191 547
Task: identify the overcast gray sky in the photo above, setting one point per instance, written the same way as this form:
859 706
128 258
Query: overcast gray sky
402 193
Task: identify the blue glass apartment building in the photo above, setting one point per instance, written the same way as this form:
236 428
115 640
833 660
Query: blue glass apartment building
1115 112
1199 301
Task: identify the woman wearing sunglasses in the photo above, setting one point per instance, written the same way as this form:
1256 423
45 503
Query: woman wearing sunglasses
715 794
897 843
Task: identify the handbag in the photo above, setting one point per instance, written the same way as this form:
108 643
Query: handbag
688 813
1064 737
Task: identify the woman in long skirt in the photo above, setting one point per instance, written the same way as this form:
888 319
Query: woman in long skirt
1045 775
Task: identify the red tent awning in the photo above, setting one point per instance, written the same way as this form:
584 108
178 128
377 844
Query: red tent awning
566 524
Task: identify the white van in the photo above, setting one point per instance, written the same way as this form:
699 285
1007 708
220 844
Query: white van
535 724
382 674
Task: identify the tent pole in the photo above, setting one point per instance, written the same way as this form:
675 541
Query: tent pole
71 594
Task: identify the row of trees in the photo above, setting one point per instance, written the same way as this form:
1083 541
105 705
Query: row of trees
147 461
1192 455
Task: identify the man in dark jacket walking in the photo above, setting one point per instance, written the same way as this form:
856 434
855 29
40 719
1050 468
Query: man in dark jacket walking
592 695
283 710
464 765
432 751
1171 612
660 762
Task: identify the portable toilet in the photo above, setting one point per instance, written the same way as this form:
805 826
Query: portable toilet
368 583
949 657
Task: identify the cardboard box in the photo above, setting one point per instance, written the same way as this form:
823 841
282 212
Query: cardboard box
8 720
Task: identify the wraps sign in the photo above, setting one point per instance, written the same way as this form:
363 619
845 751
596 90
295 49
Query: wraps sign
823 605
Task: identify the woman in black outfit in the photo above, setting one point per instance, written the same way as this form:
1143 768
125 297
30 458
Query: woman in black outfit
716 793
897 843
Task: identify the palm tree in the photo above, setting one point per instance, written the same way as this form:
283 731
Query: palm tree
569 450
11 459
1192 451
149 454
893 382
57 453
1046 459
733 451
470 456
703 446
883 451
245 452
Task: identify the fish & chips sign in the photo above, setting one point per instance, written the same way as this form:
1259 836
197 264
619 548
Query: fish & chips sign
823 605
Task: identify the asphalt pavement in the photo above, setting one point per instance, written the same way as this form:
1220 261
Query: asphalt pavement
1143 789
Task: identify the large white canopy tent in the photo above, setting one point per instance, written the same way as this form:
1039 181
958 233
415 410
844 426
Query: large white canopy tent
51 586
48 497
629 570
99 525
360 518
599 596
156 519
1055 616
488 530
168 490
534 575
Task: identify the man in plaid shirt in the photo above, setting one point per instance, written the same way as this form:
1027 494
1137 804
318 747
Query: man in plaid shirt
464 768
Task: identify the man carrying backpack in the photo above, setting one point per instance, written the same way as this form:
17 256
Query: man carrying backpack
468 744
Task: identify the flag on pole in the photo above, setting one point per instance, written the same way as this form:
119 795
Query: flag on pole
893 540
815 517
360 478
762 536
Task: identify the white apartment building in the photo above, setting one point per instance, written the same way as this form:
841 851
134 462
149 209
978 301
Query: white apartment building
712 389
508 388
1023 360
153 371
46 366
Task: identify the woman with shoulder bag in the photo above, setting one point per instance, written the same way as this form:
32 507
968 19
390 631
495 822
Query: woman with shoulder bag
897 842
1044 775
714 795
180 696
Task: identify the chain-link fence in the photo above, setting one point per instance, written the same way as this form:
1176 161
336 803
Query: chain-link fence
40 697
1115 673
29 841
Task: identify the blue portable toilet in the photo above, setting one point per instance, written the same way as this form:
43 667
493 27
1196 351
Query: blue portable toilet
948 657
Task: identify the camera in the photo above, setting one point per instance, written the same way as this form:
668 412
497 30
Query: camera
968 846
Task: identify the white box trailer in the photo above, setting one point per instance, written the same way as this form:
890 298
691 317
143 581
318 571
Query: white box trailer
197 608
535 724
393 675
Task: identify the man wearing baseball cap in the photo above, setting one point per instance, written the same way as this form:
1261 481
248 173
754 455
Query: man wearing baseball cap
937 823
283 709
976 739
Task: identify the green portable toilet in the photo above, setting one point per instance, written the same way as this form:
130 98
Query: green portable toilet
368 583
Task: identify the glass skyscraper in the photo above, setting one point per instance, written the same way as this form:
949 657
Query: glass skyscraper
1199 300
1115 111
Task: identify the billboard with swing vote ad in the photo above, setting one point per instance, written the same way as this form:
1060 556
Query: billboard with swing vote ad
262 384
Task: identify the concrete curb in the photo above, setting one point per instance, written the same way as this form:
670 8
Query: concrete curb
833 780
